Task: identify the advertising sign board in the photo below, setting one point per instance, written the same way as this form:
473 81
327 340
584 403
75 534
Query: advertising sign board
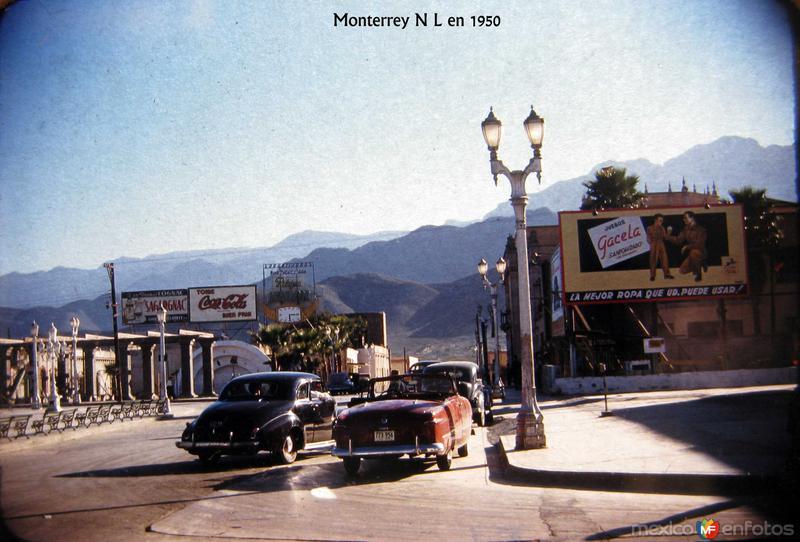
655 345
222 304
289 314
142 307
653 254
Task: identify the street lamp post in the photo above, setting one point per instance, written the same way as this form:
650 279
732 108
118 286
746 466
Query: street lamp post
53 348
161 315
122 363
36 400
76 394
500 266
530 421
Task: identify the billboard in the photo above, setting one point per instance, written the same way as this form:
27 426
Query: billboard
142 307
653 254
222 304
290 291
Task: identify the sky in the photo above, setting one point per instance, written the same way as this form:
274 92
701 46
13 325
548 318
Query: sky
139 128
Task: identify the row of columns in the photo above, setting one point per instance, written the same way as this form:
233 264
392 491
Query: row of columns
10 350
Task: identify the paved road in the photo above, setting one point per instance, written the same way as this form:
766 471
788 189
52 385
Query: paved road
131 483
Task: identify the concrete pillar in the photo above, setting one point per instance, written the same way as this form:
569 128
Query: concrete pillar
4 372
187 368
148 372
89 389
125 372
208 367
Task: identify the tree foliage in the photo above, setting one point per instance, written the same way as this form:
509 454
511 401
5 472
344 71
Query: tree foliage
763 235
761 225
312 344
611 188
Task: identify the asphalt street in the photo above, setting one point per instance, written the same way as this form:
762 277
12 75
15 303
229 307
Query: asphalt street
130 482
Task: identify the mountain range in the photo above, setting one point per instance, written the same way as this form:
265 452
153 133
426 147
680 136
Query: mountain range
729 163
425 280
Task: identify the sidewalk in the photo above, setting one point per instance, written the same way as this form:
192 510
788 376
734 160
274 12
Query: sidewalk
694 441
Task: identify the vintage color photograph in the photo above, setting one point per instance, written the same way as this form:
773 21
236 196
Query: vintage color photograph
396 270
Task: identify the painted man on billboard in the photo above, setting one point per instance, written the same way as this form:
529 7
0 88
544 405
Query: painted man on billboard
656 234
693 238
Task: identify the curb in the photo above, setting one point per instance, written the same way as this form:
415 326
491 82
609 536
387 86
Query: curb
640 482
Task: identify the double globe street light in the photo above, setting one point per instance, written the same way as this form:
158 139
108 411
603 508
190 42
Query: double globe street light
54 349
500 267
530 421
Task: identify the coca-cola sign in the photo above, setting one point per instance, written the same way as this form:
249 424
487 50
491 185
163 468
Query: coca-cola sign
222 304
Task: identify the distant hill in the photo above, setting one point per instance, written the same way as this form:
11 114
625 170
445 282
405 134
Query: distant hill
730 162
171 270
431 254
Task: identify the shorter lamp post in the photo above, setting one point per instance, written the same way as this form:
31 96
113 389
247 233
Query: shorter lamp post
76 393
53 349
530 420
36 400
161 314
500 266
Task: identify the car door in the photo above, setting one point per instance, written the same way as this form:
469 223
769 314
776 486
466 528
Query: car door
304 409
325 411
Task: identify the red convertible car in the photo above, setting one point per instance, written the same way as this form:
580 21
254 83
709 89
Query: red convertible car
420 415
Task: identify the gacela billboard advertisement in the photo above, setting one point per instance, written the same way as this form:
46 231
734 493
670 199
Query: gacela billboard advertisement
653 254
222 304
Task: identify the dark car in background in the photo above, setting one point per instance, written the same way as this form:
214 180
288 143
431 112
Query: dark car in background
470 385
277 412
420 365
340 384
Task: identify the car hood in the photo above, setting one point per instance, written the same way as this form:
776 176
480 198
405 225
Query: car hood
413 408
257 411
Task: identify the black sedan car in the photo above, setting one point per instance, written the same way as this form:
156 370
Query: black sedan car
470 386
279 412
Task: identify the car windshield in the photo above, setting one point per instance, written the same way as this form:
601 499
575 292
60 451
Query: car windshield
255 390
412 386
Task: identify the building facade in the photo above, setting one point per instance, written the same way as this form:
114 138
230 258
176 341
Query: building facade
755 330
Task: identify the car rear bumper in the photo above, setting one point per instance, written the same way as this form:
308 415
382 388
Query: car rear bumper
197 446
417 448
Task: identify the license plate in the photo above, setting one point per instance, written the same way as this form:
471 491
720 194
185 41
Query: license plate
384 436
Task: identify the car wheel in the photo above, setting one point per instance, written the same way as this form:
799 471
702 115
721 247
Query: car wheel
351 465
287 450
463 451
444 461
481 416
209 459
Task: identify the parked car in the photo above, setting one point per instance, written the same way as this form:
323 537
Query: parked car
469 385
340 384
278 412
416 414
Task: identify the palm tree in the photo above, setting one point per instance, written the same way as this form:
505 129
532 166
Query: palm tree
763 235
308 343
611 188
